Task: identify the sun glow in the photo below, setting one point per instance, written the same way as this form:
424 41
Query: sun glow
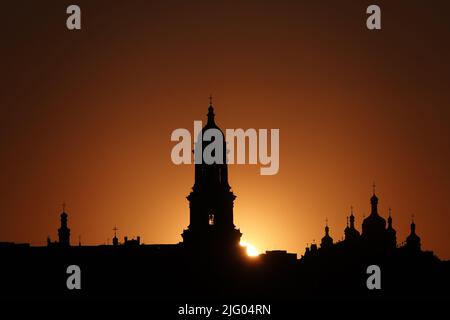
252 251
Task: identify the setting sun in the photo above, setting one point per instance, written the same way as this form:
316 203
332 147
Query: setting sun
252 251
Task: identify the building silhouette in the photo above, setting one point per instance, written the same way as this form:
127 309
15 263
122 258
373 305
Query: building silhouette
211 201
350 232
327 241
374 227
391 234
413 240
63 232
376 236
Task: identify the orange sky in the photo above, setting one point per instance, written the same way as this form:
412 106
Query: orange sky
87 116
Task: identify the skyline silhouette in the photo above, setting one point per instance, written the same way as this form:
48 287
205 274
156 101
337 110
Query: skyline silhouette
211 215
87 116
334 187
211 264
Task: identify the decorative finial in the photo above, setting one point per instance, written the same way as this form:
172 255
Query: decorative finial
115 231
210 100
351 210
374 187
64 206
413 225
210 112
390 211
326 222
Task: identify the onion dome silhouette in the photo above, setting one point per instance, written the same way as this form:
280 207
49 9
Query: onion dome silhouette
374 226
350 231
326 241
390 232
413 240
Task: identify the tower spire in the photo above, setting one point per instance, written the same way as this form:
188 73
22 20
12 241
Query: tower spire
352 218
374 202
210 112
326 241
64 231
413 240
391 233
115 239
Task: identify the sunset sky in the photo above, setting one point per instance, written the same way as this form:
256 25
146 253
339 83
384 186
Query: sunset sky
86 116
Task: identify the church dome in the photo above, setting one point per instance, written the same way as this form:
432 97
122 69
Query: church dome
413 240
326 241
390 230
211 124
350 232
207 139
374 221
374 224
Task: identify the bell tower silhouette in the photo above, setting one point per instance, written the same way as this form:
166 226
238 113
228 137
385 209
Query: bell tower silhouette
64 231
211 200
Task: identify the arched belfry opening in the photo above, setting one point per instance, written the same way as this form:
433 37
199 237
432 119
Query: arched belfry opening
211 219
